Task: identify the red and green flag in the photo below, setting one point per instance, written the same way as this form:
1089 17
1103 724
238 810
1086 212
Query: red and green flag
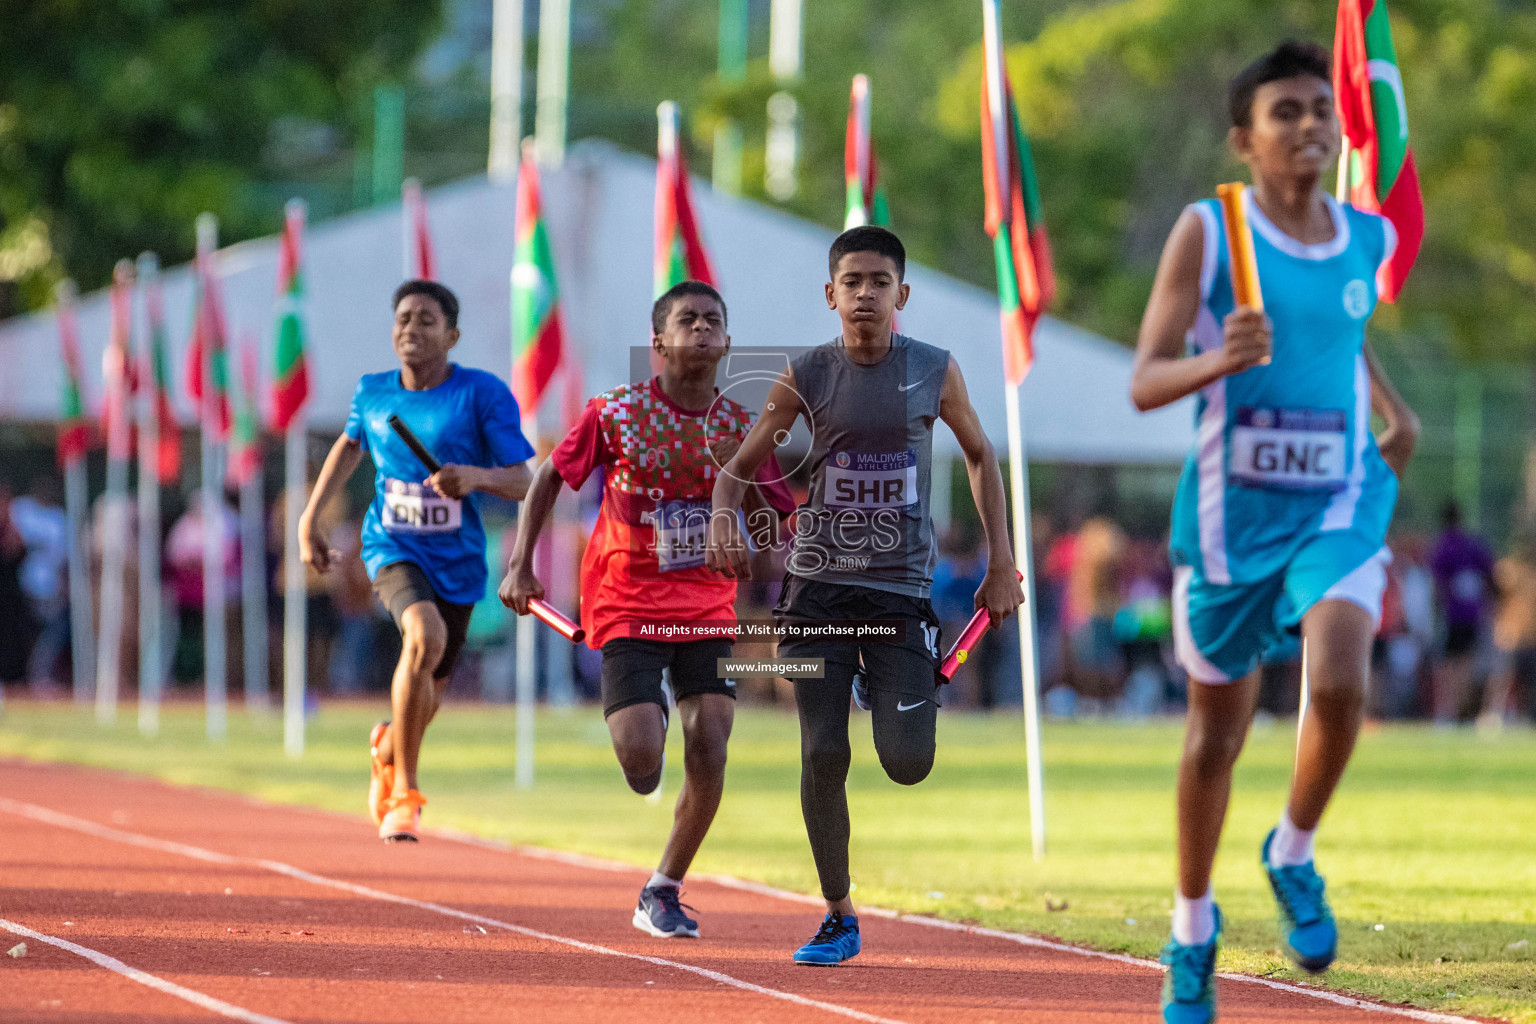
157 374
1014 217
861 168
74 434
679 252
1378 173
420 264
290 377
208 355
245 437
537 336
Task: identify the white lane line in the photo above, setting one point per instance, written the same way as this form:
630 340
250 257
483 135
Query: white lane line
758 888
43 814
170 988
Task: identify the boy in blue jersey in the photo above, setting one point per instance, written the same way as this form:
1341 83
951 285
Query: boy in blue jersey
423 544
1282 511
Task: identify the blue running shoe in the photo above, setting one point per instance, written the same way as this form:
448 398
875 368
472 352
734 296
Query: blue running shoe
660 913
1189 987
835 941
1307 931
861 690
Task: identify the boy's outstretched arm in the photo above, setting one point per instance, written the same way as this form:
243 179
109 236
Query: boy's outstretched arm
1401 433
727 553
520 583
344 458
1000 592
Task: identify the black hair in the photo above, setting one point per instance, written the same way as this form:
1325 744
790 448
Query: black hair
868 239
662 307
1291 59
1450 516
446 300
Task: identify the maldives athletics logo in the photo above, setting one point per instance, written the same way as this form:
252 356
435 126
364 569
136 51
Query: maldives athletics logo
1357 299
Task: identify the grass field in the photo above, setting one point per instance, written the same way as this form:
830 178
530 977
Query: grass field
1430 849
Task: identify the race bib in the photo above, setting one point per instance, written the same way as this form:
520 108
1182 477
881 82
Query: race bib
417 508
682 531
1290 448
870 480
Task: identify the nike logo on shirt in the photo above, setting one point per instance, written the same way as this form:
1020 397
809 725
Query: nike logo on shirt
909 387
902 706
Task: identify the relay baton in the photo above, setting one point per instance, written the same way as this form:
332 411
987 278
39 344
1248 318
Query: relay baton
970 636
537 606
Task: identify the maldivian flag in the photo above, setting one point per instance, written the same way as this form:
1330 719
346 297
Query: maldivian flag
861 168
290 377
74 434
158 376
1368 90
679 253
117 367
209 351
1014 218
537 336
419 261
245 439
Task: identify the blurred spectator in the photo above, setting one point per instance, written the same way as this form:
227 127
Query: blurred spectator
1144 627
956 576
184 574
15 617
352 658
1463 568
1514 635
44 527
1407 631
1093 663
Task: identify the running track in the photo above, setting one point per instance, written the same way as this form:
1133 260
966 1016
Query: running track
141 902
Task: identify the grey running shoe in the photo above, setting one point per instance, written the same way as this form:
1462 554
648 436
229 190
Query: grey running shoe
660 913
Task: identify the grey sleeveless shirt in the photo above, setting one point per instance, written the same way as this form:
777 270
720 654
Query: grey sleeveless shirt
866 522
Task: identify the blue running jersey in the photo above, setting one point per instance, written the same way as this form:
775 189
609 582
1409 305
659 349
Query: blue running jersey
1284 452
471 419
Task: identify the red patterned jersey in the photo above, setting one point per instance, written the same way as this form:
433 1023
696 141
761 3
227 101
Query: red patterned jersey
645 562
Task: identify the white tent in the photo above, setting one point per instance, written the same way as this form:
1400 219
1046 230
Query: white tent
599 210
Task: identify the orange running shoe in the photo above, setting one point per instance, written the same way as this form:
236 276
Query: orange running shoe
402 818
381 776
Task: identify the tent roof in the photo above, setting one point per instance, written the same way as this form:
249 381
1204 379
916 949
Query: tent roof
598 208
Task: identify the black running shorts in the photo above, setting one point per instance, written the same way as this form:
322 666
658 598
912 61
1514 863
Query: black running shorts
632 671
402 584
909 666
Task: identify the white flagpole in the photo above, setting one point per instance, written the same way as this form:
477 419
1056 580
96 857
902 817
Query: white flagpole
1029 650
253 589
527 665
76 498
215 678
296 480
151 672
506 90
109 644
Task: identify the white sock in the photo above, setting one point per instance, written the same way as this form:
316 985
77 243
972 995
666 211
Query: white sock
660 879
1194 920
1291 846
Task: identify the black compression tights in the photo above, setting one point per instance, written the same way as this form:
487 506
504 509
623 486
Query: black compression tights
904 739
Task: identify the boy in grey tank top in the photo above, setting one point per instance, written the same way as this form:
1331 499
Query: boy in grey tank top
864 547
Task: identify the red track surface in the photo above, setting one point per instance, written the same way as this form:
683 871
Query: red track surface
298 916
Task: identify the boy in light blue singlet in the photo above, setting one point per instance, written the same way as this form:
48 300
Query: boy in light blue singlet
1282 510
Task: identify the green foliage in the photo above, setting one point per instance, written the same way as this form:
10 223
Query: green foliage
1428 839
121 120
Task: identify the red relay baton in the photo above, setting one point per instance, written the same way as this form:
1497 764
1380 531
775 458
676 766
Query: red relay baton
970 636
540 609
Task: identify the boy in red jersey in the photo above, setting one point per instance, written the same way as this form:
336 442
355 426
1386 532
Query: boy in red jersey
662 441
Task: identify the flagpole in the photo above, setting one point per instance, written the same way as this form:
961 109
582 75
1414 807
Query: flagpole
1029 651
296 484
76 498
410 195
151 626
527 665
253 565
215 677
109 644
1345 158
506 90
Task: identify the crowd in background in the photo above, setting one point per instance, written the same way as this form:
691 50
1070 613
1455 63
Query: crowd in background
1456 644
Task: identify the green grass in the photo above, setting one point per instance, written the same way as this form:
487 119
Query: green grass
1432 837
